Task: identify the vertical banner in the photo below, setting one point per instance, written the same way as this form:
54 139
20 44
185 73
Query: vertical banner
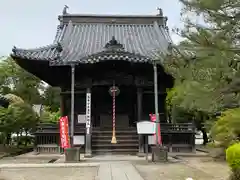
64 136
153 119
88 112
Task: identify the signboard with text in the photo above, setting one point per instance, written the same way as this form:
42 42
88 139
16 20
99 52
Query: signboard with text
64 137
88 112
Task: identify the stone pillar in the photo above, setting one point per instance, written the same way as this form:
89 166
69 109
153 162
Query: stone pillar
88 139
139 117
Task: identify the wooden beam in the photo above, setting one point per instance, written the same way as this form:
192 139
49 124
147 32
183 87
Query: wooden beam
151 92
76 92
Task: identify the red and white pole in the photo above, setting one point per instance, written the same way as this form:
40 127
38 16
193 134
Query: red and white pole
114 140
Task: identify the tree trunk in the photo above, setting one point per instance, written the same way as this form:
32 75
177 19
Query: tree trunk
26 138
9 138
205 136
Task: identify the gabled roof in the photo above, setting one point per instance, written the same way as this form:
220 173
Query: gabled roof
84 39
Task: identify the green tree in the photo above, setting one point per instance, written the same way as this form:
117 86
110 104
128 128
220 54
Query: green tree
25 118
226 130
6 125
15 80
47 116
52 98
206 63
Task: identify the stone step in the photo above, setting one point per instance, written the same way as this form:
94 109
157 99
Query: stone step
119 137
127 141
119 140
117 132
117 128
115 146
133 151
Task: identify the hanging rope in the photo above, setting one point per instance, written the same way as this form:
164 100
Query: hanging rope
114 109
113 91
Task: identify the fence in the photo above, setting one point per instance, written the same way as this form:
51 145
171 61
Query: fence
47 138
177 137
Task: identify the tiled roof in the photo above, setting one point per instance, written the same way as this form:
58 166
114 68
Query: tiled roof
43 53
86 43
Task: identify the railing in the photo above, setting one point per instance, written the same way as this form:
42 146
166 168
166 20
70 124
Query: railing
54 128
178 137
180 127
47 137
165 127
47 128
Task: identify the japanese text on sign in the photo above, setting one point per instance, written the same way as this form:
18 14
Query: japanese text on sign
64 137
88 112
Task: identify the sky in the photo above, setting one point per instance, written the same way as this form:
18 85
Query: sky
33 23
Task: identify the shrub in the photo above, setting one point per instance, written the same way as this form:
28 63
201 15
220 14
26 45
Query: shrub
226 129
49 117
233 159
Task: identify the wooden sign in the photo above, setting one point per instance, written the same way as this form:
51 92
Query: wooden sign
64 137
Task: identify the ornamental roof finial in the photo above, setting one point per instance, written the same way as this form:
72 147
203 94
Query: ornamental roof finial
64 12
14 49
160 11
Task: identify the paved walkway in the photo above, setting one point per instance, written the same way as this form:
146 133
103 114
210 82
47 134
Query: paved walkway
118 171
108 167
104 171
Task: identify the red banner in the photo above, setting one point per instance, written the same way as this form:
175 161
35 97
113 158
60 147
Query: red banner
153 119
64 137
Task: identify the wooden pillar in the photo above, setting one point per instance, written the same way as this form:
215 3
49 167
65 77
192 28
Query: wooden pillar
162 108
139 117
88 139
62 105
62 113
193 138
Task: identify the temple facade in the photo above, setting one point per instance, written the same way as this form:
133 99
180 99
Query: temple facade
107 51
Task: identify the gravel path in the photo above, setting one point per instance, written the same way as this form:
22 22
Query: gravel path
60 173
112 168
196 168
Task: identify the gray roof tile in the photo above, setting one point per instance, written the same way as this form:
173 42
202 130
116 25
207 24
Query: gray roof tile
85 43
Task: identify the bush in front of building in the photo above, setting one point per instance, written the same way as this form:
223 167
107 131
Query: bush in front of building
233 159
226 129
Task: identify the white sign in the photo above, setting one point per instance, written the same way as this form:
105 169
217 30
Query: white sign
81 118
78 140
88 112
151 139
146 127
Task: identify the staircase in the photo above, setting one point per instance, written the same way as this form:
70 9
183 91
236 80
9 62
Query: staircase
127 141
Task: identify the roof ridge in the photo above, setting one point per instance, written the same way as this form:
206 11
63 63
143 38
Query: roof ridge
111 15
113 24
42 48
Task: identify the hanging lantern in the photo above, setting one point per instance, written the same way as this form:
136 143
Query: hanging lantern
114 89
